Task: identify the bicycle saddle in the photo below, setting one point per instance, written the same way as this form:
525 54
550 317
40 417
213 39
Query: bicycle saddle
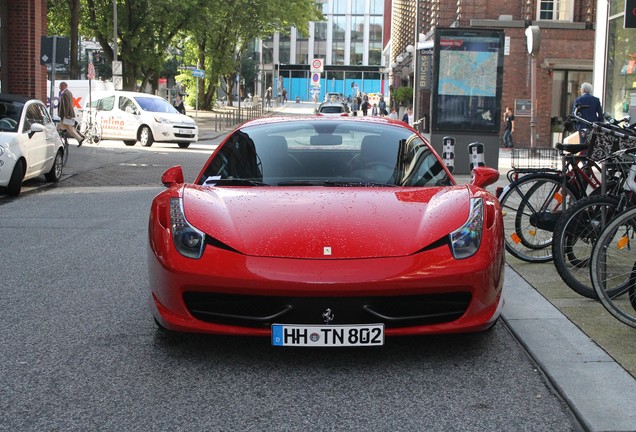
571 148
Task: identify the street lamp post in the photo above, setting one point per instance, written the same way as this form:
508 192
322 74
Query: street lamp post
263 76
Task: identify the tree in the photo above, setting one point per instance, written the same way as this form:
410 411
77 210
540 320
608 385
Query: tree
64 18
223 29
212 33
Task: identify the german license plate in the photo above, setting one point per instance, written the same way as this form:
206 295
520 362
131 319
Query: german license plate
327 335
185 132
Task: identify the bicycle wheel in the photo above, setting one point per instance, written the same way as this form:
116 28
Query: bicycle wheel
94 134
613 267
531 207
574 237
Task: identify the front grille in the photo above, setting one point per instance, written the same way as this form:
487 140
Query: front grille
262 311
190 130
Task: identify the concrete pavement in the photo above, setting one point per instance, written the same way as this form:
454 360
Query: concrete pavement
588 356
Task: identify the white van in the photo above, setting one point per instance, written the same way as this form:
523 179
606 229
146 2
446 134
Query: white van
132 117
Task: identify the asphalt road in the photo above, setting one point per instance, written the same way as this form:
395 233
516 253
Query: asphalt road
80 350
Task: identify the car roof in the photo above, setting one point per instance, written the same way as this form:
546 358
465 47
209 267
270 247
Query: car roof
329 103
6 97
359 120
106 93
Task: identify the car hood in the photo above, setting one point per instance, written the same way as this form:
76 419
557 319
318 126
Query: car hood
174 118
326 223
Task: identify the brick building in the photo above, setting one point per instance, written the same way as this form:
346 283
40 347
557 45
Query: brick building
564 61
22 24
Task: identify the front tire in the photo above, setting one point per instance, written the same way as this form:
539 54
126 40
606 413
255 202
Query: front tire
130 143
575 235
530 206
55 174
15 183
145 136
184 145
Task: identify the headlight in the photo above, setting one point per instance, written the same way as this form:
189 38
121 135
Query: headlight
188 240
466 239
164 120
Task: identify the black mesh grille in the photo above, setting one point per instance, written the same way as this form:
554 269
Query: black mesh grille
262 311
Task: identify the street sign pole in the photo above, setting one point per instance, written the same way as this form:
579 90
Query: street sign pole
52 95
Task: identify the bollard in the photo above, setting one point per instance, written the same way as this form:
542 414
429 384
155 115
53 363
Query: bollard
448 152
297 99
476 152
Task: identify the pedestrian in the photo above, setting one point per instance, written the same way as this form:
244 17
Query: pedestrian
178 104
284 95
394 114
591 109
355 106
268 97
509 120
408 116
67 114
382 106
365 105
374 110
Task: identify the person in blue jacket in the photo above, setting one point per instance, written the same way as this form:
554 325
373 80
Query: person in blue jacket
592 111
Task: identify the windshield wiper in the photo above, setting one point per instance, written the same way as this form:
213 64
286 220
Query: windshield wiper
336 183
233 182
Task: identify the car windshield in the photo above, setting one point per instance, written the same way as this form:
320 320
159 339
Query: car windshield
324 153
10 112
153 104
332 109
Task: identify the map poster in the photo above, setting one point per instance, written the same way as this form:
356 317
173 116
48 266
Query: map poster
468 79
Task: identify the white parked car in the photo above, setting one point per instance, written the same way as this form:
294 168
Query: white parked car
29 143
132 117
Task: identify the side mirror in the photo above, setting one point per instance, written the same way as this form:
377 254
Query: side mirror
36 127
172 176
482 176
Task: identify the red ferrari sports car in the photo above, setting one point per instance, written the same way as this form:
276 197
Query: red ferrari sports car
325 232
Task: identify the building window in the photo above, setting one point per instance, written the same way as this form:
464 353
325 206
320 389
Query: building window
284 51
338 43
339 7
376 7
320 40
357 54
358 7
556 10
322 5
357 28
302 51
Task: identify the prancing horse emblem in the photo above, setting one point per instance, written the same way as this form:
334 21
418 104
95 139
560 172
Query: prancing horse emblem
327 316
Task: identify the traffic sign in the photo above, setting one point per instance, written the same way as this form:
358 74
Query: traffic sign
117 68
317 66
198 73
61 50
315 79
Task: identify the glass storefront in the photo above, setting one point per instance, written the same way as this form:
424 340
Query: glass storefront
620 87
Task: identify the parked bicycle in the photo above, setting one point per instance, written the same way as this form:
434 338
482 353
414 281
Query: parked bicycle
578 228
613 267
537 196
89 128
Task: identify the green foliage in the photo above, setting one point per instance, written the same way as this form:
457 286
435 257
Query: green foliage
403 95
154 36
